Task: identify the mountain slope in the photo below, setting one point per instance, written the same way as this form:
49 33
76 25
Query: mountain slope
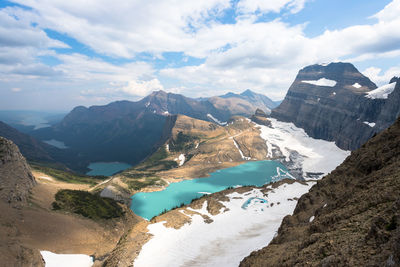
120 131
349 218
331 102
31 148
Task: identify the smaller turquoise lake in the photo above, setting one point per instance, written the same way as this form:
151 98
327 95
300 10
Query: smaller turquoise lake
258 173
106 168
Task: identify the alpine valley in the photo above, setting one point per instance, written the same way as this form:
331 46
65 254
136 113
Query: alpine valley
236 179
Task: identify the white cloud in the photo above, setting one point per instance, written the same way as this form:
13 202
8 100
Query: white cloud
263 6
263 56
379 77
142 88
390 12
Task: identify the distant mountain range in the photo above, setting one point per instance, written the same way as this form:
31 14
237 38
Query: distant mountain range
336 102
129 131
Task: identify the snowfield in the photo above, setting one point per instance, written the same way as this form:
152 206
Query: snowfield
305 153
66 260
216 120
381 92
181 159
231 236
322 82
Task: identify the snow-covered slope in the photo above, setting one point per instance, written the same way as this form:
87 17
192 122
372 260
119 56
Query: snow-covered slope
304 156
248 225
382 92
66 260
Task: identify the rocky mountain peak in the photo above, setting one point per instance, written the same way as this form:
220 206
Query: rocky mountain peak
248 92
395 79
16 178
338 75
333 102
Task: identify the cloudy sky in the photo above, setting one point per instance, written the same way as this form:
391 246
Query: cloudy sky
56 54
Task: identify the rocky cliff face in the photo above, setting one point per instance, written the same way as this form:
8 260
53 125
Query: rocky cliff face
349 218
15 176
331 102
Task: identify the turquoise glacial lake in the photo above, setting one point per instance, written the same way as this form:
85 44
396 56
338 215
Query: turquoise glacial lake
106 168
258 173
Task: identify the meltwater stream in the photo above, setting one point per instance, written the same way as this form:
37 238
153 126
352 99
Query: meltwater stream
258 173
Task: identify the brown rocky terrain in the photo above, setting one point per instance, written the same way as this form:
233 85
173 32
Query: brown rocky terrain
28 224
16 178
349 218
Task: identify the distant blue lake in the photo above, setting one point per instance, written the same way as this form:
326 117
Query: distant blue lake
56 143
258 173
106 168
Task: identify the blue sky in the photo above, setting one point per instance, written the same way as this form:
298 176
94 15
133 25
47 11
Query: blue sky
57 54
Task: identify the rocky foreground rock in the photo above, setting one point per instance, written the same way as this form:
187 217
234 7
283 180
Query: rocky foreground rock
16 178
349 218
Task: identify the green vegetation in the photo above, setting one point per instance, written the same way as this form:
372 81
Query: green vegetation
156 161
149 181
68 177
182 142
87 204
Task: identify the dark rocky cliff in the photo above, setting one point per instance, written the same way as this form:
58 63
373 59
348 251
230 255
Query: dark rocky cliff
16 178
340 112
349 218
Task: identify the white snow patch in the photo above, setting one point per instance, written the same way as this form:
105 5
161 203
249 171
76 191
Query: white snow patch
240 151
166 112
66 260
167 147
181 159
370 124
215 119
334 93
325 205
229 238
322 82
315 155
381 92
197 145
357 85
312 218
147 104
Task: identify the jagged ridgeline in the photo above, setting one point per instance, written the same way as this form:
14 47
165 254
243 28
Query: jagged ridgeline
349 218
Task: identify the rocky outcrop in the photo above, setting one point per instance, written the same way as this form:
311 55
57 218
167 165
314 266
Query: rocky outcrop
260 117
16 178
329 102
349 218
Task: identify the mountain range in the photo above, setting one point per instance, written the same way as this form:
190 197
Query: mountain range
130 131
